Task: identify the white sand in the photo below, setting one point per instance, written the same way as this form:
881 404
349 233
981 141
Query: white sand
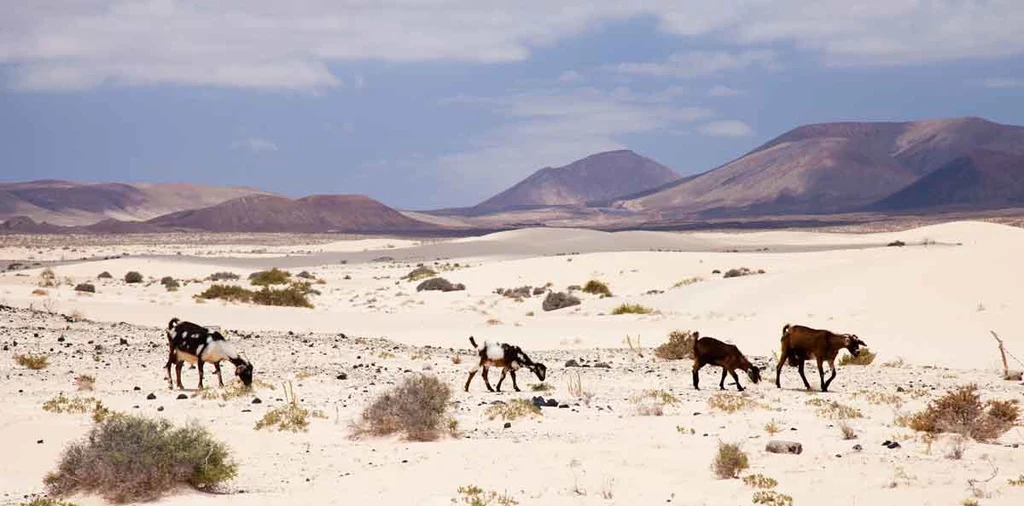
931 306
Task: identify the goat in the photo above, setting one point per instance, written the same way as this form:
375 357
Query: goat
506 356
711 351
197 345
800 343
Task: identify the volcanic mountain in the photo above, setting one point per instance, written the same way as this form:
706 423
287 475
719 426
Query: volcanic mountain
843 167
598 177
67 203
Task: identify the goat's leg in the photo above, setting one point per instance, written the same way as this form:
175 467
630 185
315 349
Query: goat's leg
170 362
778 368
512 372
487 381
200 364
821 373
721 384
216 368
470 378
737 380
696 375
177 373
504 371
832 367
800 369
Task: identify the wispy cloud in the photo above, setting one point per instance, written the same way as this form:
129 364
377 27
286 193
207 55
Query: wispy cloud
554 127
255 144
1002 82
570 76
269 44
700 63
721 90
726 128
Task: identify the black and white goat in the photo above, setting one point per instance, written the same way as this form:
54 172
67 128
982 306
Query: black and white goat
197 345
506 356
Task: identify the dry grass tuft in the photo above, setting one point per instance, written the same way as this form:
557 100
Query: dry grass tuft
865 357
85 383
416 408
731 403
961 411
760 481
515 409
847 431
597 287
476 496
678 347
47 278
541 387
129 458
47 501
729 461
627 308
771 498
834 410
772 427
1019 482
576 389
742 271
291 417
688 282
34 362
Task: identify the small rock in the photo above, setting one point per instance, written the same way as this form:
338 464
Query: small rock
566 406
539 402
61 339
900 390
790 447
857 448
123 342
572 363
39 442
182 397
161 408
257 401
508 425
151 397
136 389
551 403
602 365
343 376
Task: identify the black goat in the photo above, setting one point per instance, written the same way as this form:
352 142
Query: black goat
506 356
711 351
192 343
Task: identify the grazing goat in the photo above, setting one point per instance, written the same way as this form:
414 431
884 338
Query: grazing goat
197 345
506 356
800 343
711 351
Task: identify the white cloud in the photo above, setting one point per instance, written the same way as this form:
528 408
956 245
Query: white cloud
570 76
1001 82
700 63
552 128
270 44
721 90
255 144
726 128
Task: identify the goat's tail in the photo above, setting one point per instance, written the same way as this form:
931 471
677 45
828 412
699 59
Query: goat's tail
785 329
174 322
473 342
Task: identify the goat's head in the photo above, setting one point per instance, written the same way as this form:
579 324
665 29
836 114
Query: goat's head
852 343
539 369
244 373
754 372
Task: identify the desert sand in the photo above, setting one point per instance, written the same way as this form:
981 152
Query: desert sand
926 309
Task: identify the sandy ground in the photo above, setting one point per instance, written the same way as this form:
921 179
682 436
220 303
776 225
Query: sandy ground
926 309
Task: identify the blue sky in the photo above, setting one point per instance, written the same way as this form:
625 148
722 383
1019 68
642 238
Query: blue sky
438 103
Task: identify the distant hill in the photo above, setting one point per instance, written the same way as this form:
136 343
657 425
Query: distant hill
842 167
70 204
599 177
981 179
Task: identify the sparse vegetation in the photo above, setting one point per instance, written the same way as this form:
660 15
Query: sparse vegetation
961 411
760 481
415 408
653 402
740 272
847 431
47 501
439 284
730 461
419 273
771 498
688 282
230 293
513 410
476 496
597 287
627 308
678 347
834 410
576 389
731 403
105 275
865 357
34 362
274 276
85 288
47 278
1018 482
541 387
223 276
133 277
129 458
772 427
85 382
295 295
290 417
559 300
71 405
896 244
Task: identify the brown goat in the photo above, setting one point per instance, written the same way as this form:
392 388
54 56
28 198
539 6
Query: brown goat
800 343
711 351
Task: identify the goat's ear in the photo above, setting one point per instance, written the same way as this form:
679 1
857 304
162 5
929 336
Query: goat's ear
696 334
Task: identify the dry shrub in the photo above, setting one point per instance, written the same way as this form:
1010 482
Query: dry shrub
575 388
419 273
47 278
742 271
476 496
415 408
626 308
961 411
274 276
47 501
678 347
439 285
771 498
223 276
865 357
559 300
291 417
597 287
1019 482
85 383
729 461
515 409
653 402
847 431
834 410
688 282
541 387
772 427
760 481
130 458
731 403
133 277
105 275
880 398
85 287
34 362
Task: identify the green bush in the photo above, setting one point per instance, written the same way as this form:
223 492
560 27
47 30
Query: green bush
596 287
223 276
129 458
678 347
729 461
274 276
295 295
229 293
133 277
631 309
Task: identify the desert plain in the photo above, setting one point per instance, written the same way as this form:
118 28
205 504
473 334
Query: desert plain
632 431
